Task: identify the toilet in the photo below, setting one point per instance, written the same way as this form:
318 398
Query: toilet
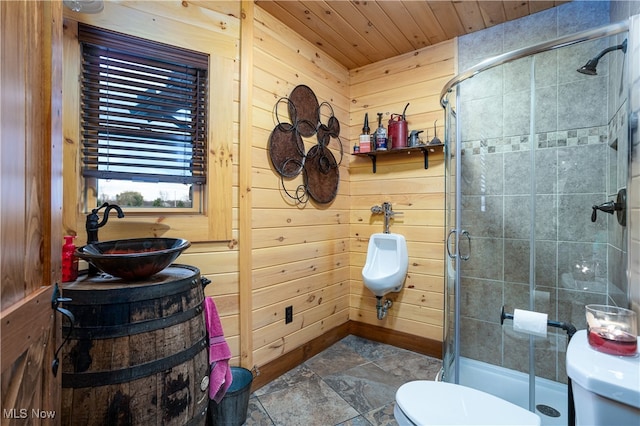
387 263
606 388
424 402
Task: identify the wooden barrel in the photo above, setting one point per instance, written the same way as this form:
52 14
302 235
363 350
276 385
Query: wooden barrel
137 353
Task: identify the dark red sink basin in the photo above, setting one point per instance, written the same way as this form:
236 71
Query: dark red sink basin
133 259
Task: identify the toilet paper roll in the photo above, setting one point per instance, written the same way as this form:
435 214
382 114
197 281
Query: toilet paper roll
530 322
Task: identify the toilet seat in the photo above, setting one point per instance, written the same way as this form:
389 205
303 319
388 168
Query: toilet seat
424 402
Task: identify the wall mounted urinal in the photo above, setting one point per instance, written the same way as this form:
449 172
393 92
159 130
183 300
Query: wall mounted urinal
387 263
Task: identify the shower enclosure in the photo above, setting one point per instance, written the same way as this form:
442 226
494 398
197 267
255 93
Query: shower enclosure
533 150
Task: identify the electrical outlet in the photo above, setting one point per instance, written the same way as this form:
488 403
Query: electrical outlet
288 314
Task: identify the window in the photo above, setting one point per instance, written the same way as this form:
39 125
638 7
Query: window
144 120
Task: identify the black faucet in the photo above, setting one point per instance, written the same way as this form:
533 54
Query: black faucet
94 223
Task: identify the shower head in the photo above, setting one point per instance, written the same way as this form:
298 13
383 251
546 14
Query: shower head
590 67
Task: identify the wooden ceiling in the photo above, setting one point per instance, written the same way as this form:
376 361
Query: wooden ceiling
361 32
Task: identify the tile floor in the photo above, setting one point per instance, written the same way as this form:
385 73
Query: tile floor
352 383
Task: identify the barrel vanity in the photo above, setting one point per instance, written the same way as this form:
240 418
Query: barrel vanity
136 352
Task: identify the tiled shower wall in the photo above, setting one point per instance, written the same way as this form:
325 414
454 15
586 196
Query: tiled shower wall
579 123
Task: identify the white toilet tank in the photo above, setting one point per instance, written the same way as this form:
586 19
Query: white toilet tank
606 388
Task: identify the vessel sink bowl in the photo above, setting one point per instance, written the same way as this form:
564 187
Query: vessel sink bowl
133 259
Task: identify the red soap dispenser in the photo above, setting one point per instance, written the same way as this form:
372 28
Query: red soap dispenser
69 260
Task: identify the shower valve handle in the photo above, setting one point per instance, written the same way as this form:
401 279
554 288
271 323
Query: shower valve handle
608 207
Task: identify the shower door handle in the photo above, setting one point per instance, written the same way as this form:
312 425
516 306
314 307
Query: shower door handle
451 256
466 234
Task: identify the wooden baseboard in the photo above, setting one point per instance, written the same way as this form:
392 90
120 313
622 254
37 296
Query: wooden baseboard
399 339
292 359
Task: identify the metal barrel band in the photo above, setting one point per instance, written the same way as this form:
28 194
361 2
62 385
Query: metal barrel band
105 378
128 329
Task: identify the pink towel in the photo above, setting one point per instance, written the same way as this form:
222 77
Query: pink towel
219 354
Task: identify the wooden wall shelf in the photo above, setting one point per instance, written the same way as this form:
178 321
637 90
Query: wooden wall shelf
426 149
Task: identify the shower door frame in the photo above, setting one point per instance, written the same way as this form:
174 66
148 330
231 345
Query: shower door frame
454 232
568 40
451 328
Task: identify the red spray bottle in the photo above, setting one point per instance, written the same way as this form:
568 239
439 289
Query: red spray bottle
69 260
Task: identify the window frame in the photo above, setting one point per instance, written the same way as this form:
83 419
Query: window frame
215 221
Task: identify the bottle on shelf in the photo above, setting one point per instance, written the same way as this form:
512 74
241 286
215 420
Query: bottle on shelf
365 137
380 135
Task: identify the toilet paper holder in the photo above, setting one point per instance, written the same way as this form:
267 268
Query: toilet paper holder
571 330
566 326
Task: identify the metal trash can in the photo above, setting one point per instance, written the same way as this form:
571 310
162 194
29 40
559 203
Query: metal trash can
232 410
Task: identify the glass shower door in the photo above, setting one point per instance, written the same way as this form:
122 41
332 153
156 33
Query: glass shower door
532 146
450 372
493 222
496 210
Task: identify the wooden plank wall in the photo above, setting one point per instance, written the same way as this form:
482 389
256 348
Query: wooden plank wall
310 256
216 30
387 86
300 252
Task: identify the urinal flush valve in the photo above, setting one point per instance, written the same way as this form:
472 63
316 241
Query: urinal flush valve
388 212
